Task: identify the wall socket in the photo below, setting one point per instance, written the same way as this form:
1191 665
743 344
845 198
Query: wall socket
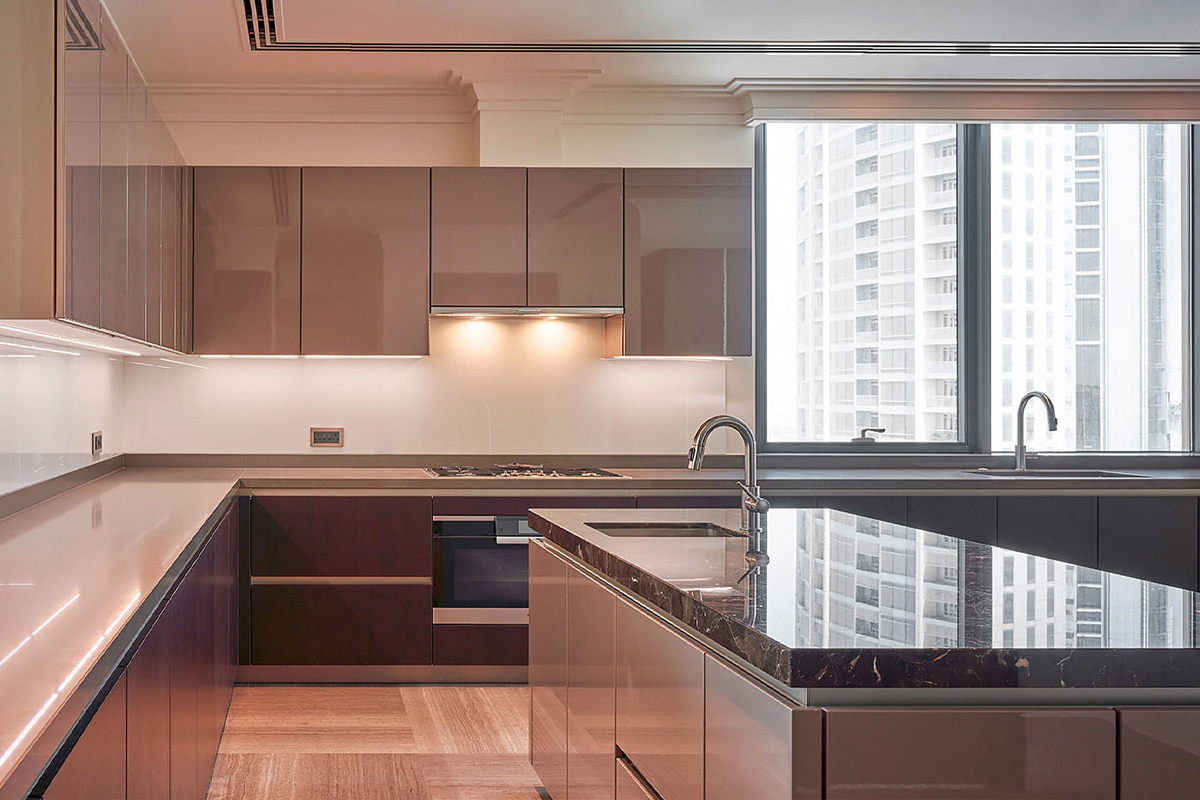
97 442
326 437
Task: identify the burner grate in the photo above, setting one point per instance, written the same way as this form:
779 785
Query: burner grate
519 471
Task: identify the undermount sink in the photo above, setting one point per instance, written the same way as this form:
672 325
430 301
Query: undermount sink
1050 473
662 529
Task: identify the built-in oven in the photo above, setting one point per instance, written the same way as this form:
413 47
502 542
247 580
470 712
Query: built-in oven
481 570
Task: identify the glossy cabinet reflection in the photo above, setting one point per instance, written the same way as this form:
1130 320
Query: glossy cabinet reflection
134 323
970 754
81 151
548 669
95 767
365 261
478 251
628 785
1160 752
591 696
660 704
114 177
246 261
576 256
149 716
688 273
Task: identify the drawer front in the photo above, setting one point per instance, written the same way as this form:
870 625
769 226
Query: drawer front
486 645
548 668
660 704
341 624
1160 752
629 787
1062 528
591 696
341 536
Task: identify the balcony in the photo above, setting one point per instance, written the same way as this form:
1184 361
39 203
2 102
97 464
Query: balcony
939 335
941 165
941 233
942 199
942 302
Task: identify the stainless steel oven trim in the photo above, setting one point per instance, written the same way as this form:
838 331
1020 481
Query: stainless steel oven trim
481 616
512 540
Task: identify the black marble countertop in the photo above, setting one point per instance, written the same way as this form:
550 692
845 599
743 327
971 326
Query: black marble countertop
849 602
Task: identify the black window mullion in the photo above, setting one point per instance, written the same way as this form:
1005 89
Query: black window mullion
974 296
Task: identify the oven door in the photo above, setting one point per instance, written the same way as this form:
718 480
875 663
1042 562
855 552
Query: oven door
480 570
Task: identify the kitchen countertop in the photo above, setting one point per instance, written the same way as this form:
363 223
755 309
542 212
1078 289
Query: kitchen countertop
850 603
73 570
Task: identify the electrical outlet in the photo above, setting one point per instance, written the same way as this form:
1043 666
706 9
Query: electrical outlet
326 437
97 442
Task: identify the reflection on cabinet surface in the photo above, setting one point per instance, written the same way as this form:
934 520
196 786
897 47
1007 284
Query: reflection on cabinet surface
81 151
365 261
478 247
548 669
628 786
591 696
576 256
95 767
688 281
1160 752
246 260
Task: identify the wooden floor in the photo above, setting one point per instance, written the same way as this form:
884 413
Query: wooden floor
367 742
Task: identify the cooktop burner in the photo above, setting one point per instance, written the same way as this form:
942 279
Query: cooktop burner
519 471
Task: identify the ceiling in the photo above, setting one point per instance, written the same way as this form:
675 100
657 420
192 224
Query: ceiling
655 42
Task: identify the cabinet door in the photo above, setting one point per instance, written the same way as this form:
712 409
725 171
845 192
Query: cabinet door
484 645
95 767
341 624
688 282
976 754
1150 537
548 668
478 247
576 250
114 176
628 785
134 323
172 255
341 536
246 261
1160 752
591 682
1062 528
972 518
365 261
149 718
81 150
660 704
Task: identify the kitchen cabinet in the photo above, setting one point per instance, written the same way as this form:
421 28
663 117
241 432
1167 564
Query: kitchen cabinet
134 322
519 506
1062 528
576 255
341 536
246 260
114 176
969 754
1154 538
365 261
148 677
964 517
548 669
591 693
688 271
95 767
629 787
1159 752
881 507
660 704
741 718
478 238
81 153
481 645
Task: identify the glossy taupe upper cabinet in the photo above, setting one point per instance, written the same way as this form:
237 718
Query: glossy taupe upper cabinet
478 243
688 272
246 260
81 149
114 176
576 257
365 261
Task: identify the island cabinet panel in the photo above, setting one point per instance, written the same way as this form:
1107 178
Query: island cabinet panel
1154 538
548 668
688 281
971 518
883 508
1160 752
591 697
478 244
149 716
95 767
341 536
629 787
1062 528
740 718
341 624
365 261
576 256
660 704
976 754
246 260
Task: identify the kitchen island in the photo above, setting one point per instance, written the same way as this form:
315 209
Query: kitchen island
866 660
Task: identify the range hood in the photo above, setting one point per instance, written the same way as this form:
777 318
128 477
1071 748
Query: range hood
523 311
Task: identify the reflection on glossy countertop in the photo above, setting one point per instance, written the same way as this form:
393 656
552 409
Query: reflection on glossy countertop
73 570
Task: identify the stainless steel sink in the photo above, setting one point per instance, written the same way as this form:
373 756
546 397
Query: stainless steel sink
1050 473
662 529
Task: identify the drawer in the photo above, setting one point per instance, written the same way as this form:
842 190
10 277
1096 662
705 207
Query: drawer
1062 528
486 645
341 624
1160 752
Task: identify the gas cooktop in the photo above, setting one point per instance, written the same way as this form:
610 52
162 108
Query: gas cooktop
519 471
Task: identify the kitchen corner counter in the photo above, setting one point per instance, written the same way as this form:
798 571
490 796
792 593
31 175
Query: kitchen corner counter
74 571
852 610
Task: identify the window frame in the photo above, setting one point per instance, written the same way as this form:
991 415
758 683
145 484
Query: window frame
975 307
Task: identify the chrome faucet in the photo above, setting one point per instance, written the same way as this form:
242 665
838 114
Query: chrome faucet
754 505
1052 419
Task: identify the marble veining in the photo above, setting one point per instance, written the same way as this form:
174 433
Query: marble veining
848 601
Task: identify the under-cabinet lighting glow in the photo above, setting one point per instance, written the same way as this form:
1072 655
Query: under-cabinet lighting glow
272 357
68 340
40 349
183 363
672 358
144 364
17 355
362 358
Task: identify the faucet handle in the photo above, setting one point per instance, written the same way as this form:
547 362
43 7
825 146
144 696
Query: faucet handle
752 500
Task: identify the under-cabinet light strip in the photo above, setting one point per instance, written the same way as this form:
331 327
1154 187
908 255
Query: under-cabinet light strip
68 340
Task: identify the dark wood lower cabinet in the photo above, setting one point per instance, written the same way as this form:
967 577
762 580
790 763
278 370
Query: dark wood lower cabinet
95 768
483 645
341 624
149 716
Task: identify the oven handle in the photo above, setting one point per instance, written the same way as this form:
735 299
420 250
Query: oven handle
512 540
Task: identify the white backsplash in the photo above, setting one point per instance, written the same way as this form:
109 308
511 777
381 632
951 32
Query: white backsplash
504 386
49 405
